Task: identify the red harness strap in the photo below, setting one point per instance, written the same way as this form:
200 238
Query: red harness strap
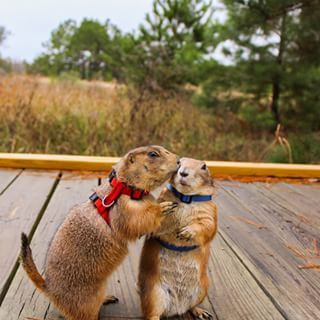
118 188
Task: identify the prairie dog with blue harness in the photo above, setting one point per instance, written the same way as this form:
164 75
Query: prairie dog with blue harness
173 276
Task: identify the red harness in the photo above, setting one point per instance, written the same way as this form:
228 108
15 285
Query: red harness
105 204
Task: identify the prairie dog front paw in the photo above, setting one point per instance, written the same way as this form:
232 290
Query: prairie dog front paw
168 207
186 234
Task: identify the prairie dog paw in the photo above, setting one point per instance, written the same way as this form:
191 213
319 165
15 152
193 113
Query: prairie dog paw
168 207
186 234
200 314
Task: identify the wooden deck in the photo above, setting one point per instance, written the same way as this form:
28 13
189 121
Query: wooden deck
262 264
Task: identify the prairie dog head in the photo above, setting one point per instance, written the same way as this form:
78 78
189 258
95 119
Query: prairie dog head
147 167
193 177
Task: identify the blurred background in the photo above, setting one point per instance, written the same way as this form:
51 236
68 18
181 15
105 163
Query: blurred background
217 80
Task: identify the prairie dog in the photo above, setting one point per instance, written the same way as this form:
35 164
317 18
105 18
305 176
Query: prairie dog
174 282
86 250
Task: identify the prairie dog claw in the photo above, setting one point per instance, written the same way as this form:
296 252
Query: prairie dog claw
168 207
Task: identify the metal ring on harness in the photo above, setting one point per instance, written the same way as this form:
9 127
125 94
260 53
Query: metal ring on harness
107 205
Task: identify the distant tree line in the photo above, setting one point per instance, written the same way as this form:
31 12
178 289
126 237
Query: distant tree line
273 48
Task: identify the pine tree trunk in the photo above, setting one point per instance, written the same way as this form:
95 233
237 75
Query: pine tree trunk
275 99
276 84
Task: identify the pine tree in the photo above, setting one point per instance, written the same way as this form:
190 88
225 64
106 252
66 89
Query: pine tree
173 40
275 41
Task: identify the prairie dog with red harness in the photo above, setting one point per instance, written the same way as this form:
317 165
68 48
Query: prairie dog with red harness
173 265
93 239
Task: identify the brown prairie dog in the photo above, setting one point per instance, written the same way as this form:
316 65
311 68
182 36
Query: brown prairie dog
86 250
174 282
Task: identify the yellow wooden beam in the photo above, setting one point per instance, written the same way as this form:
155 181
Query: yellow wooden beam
90 163
50 161
264 169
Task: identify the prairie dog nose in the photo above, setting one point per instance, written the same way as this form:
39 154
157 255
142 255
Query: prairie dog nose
183 173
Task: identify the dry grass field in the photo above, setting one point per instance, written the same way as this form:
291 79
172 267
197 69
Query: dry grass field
42 115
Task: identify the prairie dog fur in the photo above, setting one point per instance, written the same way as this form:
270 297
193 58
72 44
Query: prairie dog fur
85 250
172 282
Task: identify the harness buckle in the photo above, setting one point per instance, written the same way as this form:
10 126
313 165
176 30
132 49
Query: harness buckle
186 199
107 205
94 197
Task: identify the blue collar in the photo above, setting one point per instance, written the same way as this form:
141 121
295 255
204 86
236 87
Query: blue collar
186 198
173 247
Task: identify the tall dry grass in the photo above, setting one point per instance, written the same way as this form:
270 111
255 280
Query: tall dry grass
54 116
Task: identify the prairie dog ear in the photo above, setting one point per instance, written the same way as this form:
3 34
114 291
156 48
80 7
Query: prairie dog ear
130 157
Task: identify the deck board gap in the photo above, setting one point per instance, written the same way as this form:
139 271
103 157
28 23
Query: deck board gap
30 235
11 182
224 237
44 207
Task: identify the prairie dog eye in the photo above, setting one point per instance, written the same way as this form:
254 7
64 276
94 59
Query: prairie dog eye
204 167
153 154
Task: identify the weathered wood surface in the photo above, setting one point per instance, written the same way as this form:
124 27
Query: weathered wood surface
6 177
257 229
303 200
22 300
20 206
266 232
311 192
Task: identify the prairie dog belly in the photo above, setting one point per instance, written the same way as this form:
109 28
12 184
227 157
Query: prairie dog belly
179 281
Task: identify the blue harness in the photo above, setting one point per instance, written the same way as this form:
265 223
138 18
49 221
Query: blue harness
185 199
173 247
188 198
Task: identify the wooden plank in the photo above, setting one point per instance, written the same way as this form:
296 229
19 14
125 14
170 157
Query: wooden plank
304 207
68 162
295 231
22 299
262 248
275 213
234 293
6 177
308 191
20 207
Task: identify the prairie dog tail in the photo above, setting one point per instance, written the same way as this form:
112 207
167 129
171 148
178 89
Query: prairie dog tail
28 263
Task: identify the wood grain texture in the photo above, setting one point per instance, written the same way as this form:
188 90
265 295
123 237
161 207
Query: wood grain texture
6 177
254 227
254 274
303 207
20 206
234 294
303 192
309 190
22 299
68 162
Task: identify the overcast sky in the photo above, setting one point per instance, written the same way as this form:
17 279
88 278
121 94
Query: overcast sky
30 22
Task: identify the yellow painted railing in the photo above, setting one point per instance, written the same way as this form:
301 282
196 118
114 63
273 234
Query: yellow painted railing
68 162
